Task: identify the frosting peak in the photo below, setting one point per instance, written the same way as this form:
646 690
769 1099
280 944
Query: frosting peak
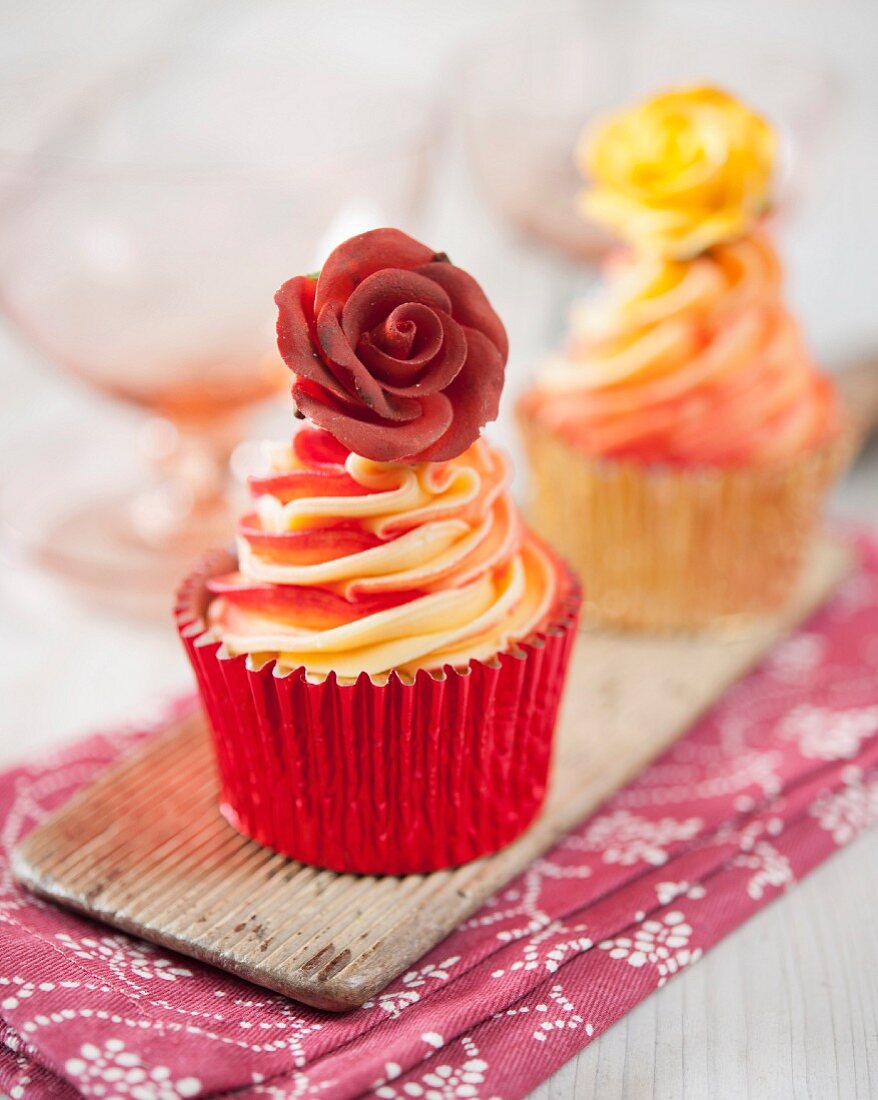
692 362
351 565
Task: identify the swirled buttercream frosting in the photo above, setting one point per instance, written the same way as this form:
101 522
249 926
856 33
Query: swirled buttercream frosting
351 565
689 362
680 172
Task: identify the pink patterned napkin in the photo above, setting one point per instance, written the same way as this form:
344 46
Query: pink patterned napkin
778 776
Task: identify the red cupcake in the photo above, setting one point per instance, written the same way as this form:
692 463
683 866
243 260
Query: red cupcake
382 663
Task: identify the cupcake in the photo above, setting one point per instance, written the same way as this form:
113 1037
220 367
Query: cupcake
682 443
381 659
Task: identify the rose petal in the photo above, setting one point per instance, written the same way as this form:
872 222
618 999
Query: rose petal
414 377
357 258
470 305
397 335
297 336
427 334
360 385
379 440
380 293
475 396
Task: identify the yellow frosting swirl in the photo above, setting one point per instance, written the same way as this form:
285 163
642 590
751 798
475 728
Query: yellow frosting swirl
696 362
349 565
683 171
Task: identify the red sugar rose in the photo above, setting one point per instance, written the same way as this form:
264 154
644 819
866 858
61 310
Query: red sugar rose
396 351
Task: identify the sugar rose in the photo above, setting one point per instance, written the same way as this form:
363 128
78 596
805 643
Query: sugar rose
679 173
395 351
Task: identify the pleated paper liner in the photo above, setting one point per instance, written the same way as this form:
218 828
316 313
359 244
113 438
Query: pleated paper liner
668 549
387 778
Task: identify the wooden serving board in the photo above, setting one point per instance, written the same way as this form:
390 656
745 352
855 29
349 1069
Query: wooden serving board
145 849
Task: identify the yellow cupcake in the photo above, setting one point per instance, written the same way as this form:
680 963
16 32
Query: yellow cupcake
682 440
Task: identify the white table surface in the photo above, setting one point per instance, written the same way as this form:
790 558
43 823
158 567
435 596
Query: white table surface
788 1005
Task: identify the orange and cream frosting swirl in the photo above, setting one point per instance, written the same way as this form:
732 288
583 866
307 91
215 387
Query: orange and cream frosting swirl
687 362
348 565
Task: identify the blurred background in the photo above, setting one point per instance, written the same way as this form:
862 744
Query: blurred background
165 165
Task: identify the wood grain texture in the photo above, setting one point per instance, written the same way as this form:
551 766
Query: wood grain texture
798 1021
145 849
858 383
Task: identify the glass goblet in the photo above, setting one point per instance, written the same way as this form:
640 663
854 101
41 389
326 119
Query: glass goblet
140 248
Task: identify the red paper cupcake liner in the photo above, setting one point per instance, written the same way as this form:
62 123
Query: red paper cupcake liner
381 779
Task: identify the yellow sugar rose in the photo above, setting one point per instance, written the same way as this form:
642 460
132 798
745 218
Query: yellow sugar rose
679 173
